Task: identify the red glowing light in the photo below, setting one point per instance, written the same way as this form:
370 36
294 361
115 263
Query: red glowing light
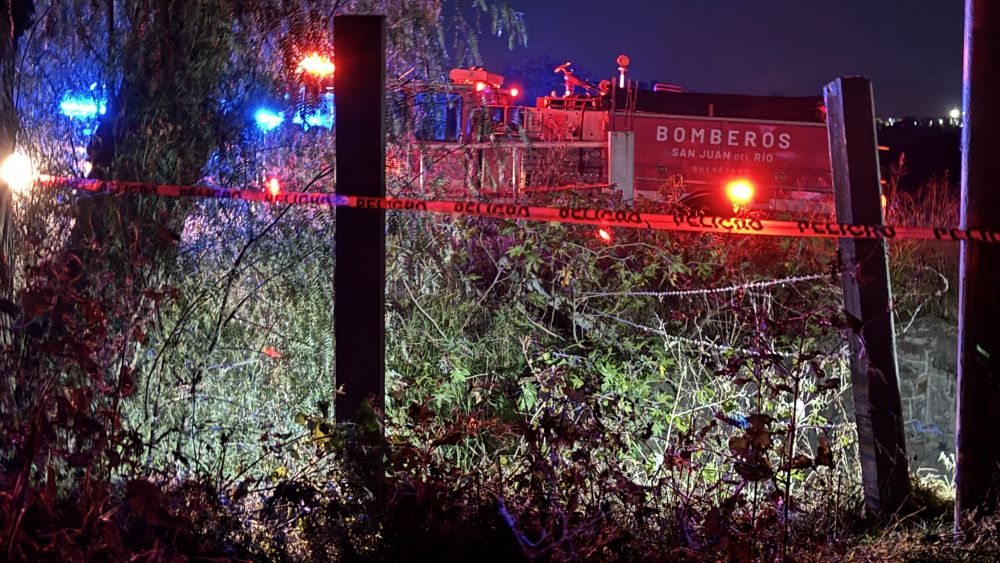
317 65
740 192
273 187
604 235
514 92
480 86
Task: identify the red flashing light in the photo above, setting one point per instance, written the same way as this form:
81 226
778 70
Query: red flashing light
317 65
740 192
514 92
604 235
480 86
273 187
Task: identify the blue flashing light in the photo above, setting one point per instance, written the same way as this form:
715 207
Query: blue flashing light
268 120
322 116
79 107
317 119
320 120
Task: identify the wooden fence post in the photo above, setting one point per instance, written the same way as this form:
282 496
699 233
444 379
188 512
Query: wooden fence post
867 295
359 279
977 474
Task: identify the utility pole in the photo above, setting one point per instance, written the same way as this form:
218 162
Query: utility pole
359 279
977 474
867 295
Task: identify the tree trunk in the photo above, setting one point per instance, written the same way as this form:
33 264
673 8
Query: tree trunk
15 16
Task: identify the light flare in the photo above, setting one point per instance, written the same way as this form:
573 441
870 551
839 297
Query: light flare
18 172
740 192
317 65
604 235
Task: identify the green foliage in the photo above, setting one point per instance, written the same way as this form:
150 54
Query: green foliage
171 380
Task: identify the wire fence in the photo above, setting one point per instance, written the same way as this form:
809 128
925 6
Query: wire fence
711 290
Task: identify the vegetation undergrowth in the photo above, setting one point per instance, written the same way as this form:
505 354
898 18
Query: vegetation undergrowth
534 412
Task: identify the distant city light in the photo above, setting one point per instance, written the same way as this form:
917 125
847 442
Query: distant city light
17 172
317 65
955 113
268 120
82 107
273 187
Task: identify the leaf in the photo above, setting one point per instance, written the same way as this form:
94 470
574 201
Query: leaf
369 421
713 521
449 439
759 420
144 498
800 461
824 455
739 445
419 412
167 236
79 459
37 303
126 383
752 472
9 307
828 384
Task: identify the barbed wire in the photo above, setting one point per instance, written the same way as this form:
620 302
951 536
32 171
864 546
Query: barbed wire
662 332
843 350
708 291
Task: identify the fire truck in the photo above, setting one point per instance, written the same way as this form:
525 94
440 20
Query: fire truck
473 138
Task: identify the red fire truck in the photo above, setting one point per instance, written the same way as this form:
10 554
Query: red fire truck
473 139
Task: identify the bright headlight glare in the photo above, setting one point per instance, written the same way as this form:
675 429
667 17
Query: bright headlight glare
17 172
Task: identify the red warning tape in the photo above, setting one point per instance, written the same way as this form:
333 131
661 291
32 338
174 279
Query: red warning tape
574 215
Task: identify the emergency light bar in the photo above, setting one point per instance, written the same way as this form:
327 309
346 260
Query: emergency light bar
474 75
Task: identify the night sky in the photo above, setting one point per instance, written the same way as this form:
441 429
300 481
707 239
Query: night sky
911 49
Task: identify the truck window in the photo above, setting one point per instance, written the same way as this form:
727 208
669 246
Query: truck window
438 116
